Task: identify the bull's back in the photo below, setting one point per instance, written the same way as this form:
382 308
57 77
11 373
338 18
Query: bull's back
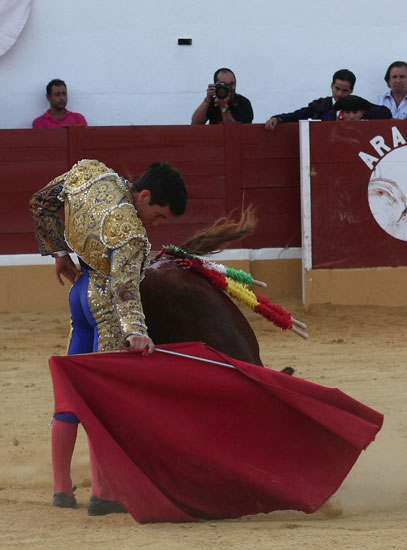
182 306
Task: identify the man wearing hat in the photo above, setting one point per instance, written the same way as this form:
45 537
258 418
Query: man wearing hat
353 107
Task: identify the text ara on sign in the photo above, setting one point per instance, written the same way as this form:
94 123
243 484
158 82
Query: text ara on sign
381 147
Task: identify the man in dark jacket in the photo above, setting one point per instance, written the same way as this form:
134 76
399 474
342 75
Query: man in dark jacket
343 82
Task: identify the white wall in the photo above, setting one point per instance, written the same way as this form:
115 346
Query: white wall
123 66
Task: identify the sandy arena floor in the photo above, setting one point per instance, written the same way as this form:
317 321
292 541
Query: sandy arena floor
361 350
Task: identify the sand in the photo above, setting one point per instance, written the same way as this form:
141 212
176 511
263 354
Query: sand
361 350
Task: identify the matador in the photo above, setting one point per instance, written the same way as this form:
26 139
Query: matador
105 220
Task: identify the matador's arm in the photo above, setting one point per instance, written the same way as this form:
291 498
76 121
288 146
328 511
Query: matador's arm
45 206
127 267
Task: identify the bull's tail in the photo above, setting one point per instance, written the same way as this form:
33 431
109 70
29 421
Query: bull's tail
223 232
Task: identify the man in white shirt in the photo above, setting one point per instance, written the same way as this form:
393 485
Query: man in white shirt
396 98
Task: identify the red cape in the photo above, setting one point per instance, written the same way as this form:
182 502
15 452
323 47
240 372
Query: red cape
180 440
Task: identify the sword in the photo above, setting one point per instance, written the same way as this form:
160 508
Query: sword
195 357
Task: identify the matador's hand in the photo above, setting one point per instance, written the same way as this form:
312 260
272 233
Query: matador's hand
65 266
141 343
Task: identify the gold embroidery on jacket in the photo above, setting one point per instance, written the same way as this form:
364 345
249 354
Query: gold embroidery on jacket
99 216
110 337
102 227
84 173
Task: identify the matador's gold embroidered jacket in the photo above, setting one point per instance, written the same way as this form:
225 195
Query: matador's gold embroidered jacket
102 228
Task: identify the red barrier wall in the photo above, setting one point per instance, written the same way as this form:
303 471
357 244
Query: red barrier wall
345 232
223 166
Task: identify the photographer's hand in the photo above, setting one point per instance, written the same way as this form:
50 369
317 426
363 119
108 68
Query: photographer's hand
200 115
210 93
222 103
224 107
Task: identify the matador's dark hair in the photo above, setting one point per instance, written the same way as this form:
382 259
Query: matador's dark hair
166 186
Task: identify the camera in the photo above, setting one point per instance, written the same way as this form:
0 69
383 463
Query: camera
222 90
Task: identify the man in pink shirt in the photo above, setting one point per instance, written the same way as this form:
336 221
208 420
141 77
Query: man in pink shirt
58 116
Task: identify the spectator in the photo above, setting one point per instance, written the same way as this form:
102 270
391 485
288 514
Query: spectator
353 107
396 98
343 82
222 103
58 116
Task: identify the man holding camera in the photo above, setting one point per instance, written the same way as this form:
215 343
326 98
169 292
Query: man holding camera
222 103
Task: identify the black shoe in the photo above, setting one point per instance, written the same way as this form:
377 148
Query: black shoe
100 507
62 500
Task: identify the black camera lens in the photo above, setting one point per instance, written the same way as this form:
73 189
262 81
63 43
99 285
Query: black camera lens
222 90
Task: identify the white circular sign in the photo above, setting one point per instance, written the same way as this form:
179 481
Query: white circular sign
13 17
387 193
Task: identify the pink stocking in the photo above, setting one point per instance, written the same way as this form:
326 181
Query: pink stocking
99 487
63 443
